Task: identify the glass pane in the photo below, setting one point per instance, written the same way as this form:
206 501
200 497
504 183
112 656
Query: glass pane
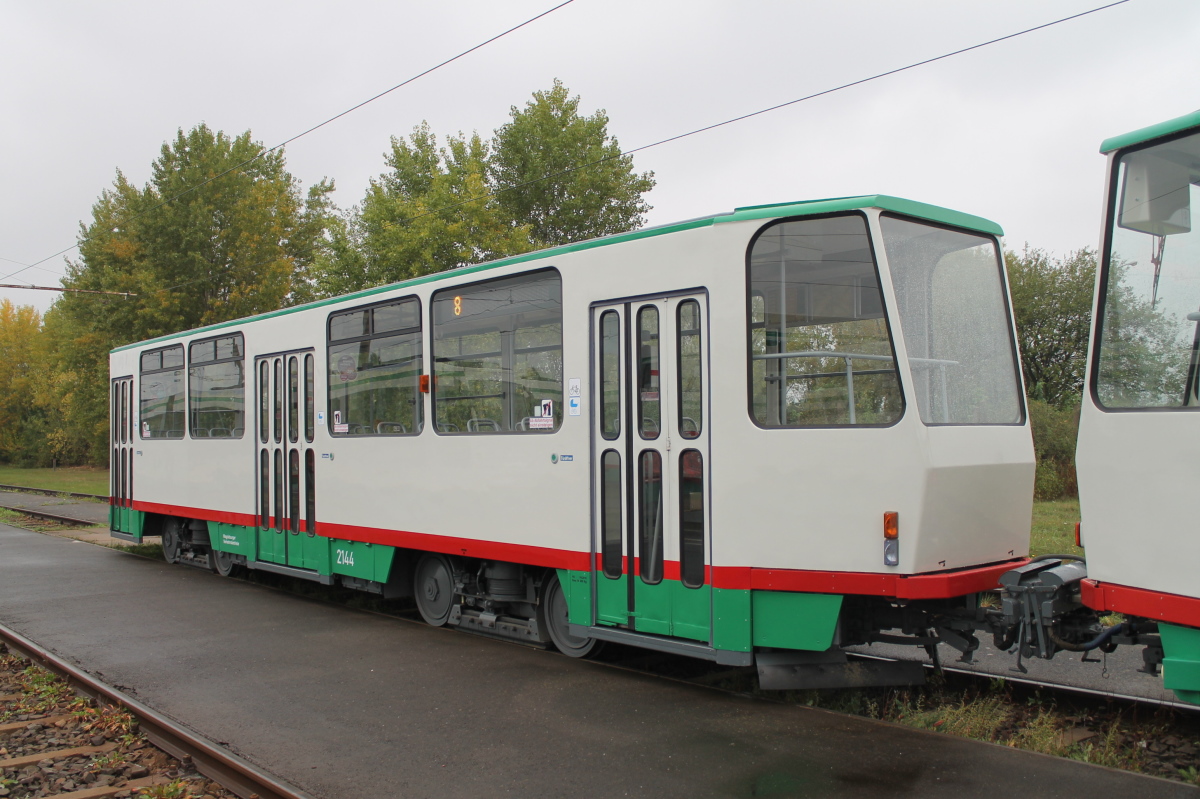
650 511
374 386
349 325
1149 337
497 350
203 351
610 512
294 491
953 310
278 489
310 399
691 518
172 358
264 401
649 405
822 356
230 347
264 488
278 403
151 361
610 375
293 389
691 389
310 490
162 404
217 400
402 315
124 412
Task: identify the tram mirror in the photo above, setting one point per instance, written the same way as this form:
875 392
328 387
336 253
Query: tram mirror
1155 195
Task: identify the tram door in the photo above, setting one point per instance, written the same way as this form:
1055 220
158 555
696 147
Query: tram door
121 466
285 463
651 538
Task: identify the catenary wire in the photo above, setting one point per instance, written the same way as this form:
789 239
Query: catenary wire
715 125
306 132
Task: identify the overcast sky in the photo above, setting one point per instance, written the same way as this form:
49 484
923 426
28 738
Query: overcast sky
1009 132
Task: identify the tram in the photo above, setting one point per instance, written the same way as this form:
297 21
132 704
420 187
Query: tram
1140 419
756 438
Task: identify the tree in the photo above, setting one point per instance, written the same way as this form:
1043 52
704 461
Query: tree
1052 303
429 213
193 252
20 365
563 174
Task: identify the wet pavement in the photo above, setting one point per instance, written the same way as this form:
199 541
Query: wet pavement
348 704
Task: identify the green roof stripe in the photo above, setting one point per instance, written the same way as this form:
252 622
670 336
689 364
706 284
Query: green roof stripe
1176 125
933 213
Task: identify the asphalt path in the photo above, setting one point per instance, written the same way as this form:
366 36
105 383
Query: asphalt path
348 704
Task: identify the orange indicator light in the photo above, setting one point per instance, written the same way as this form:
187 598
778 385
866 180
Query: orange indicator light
891 525
1078 540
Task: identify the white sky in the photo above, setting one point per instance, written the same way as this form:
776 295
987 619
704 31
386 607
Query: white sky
1010 132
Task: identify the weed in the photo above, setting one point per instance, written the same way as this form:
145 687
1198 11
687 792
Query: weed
111 760
176 789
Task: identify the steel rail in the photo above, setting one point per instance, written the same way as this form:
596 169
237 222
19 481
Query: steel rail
221 766
52 493
54 517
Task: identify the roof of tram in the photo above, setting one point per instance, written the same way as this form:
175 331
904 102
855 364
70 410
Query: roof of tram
830 205
1140 135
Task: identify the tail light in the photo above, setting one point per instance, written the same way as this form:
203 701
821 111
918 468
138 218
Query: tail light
1078 539
891 538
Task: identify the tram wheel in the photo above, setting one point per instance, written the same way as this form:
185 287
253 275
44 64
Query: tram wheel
553 614
220 562
434 587
172 543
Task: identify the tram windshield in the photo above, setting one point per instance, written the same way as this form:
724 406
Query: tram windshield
1149 332
952 308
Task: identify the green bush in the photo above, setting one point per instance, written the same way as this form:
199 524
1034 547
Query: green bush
1055 431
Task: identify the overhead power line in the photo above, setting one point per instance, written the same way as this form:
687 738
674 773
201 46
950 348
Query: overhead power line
353 108
56 288
760 112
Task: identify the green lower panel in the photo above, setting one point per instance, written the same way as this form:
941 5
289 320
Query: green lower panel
652 604
731 619
1181 661
577 586
787 620
272 546
126 520
234 538
612 599
359 559
691 611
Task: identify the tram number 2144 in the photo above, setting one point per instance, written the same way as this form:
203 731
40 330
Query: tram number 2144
344 558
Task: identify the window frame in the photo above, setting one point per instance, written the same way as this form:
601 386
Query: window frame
1104 272
887 321
190 363
1014 341
462 288
330 342
183 367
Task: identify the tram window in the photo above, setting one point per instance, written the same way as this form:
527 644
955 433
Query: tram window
610 375
278 489
264 488
161 407
649 405
310 490
691 518
277 402
691 388
375 368
650 511
310 399
217 387
610 513
124 413
953 311
294 491
497 355
293 411
821 352
264 401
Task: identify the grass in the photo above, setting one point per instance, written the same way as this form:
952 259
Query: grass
1054 527
80 479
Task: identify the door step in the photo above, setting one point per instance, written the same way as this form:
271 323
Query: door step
291 571
676 646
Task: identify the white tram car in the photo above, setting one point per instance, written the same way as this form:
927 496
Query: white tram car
1137 459
761 435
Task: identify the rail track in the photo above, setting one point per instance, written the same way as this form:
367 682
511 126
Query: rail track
232 772
51 493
